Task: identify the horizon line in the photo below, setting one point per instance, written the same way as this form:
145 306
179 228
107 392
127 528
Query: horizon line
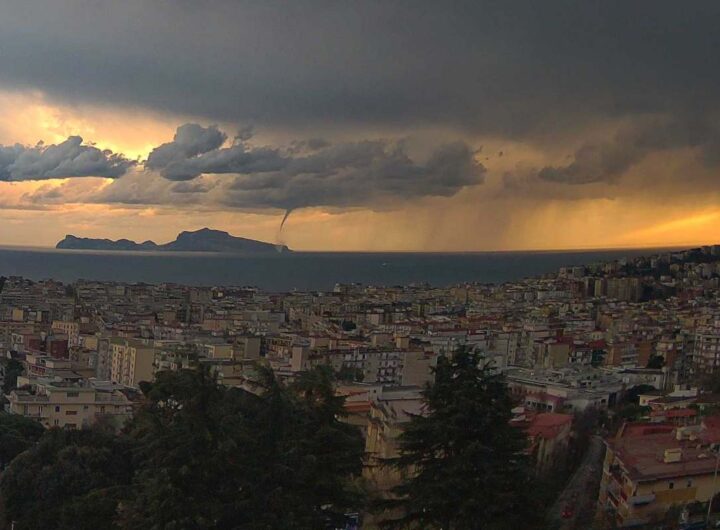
391 251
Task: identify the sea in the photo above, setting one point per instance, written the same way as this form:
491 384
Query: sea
303 271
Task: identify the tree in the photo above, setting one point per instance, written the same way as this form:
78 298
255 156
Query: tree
585 424
710 382
629 412
336 449
12 368
197 455
348 325
213 457
17 433
467 465
632 395
187 454
68 480
656 362
350 374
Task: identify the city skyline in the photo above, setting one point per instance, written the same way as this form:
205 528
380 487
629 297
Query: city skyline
514 127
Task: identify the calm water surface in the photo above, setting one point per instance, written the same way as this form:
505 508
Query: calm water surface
297 270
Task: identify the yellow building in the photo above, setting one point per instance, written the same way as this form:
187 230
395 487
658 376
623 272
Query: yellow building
389 414
69 328
649 469
131 361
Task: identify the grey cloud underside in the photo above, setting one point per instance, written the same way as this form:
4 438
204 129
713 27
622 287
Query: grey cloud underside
606 162
348 174
68 159
515 68
196 150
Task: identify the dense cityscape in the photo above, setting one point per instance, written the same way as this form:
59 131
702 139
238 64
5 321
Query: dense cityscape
613 358
369 265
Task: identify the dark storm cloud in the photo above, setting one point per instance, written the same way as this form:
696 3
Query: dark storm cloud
190 140
515 68
194 186
606 162
68 159
195 150
359 173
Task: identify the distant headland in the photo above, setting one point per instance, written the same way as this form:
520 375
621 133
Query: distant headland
204 240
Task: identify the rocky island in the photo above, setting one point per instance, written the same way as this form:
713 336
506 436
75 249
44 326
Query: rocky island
204 240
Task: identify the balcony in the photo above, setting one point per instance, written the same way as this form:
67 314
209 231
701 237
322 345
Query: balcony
613 494
640 500
21 399
35 415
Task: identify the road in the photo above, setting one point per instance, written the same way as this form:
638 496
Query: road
580 493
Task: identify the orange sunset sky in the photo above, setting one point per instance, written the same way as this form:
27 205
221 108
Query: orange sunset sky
496 136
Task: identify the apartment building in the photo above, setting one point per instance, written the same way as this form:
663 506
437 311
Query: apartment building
390 412
650 468
131 361
70 404
69 328
706 353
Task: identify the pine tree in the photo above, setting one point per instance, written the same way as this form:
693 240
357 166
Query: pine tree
466 465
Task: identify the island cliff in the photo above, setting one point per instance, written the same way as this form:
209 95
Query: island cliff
204 240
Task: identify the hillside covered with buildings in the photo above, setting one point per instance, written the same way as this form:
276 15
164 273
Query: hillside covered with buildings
623 350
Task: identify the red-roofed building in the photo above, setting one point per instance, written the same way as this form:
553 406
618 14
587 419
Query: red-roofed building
549 435
652 467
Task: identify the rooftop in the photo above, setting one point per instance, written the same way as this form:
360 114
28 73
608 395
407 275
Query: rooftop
641 451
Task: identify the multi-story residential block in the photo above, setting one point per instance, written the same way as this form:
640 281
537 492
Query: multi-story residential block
706 352
651 468
70 405
131 362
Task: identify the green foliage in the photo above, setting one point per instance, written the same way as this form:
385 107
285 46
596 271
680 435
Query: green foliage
585 424
213 457
348 325
631 412
710 382
465 462
632 395
656 362
12 369
69 480
17 434
197 455
348 374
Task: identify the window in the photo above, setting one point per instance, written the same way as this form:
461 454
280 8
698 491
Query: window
70 412
671 485
73 394
689 483
57 408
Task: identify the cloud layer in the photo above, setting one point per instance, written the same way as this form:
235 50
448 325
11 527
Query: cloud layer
607 161
517 69
313 173
68 159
